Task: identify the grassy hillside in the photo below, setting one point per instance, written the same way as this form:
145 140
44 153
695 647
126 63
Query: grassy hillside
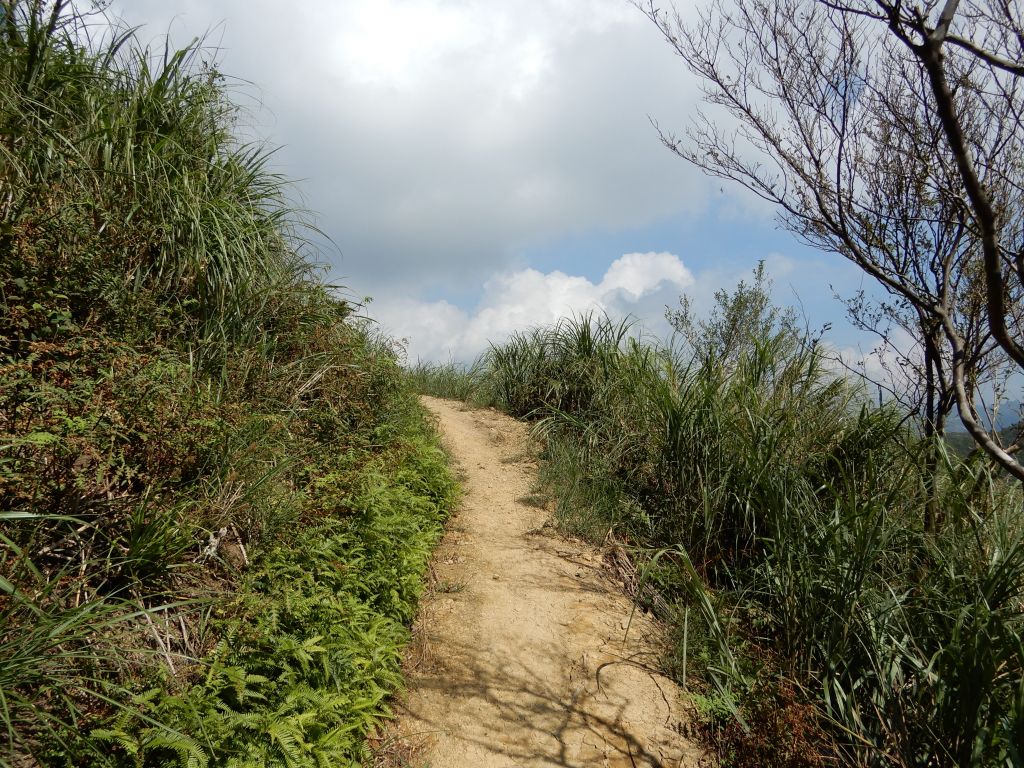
777 518
217 495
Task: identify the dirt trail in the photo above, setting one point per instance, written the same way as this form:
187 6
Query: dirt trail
520 658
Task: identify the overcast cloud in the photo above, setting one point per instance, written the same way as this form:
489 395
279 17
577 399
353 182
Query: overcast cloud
443 143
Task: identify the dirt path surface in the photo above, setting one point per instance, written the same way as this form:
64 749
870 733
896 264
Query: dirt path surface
520 658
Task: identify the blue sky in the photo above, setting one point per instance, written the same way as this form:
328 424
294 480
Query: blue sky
725 249
481 166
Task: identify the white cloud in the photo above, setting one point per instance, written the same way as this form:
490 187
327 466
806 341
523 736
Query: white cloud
884 364
390 43
439 139
442 144
639 273
636 283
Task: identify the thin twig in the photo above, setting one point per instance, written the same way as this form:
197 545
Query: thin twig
160 642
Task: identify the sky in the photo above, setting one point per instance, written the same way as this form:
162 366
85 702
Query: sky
480 167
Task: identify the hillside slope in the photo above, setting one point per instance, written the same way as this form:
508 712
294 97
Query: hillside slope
217 495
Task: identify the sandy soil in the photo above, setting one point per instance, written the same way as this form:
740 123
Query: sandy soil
522 656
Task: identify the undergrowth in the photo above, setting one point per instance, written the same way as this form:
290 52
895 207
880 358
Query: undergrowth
780 517
310 647
449 380
217 493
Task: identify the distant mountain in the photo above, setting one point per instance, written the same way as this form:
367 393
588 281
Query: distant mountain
1009 416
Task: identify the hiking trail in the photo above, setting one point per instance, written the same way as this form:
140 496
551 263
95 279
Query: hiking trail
521 656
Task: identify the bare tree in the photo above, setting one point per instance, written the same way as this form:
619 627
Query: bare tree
891 134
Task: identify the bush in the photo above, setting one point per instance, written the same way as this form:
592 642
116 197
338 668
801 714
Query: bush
769 502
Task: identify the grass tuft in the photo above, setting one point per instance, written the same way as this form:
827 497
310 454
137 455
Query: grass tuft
777 519
216 493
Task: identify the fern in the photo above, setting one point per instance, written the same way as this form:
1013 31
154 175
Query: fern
306 663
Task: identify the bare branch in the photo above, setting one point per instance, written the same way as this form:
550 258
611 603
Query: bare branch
1013 67
878 142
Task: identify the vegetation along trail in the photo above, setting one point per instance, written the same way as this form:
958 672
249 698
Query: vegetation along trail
524 658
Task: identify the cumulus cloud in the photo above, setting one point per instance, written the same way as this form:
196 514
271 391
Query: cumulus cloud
637 283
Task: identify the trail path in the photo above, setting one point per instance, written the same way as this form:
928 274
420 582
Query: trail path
520 658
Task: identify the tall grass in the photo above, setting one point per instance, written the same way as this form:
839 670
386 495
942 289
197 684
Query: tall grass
782 517
144 144
448 380
181 396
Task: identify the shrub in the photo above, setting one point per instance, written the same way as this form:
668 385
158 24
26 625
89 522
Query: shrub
775 507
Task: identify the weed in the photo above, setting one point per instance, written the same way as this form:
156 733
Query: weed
446 587
778 519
